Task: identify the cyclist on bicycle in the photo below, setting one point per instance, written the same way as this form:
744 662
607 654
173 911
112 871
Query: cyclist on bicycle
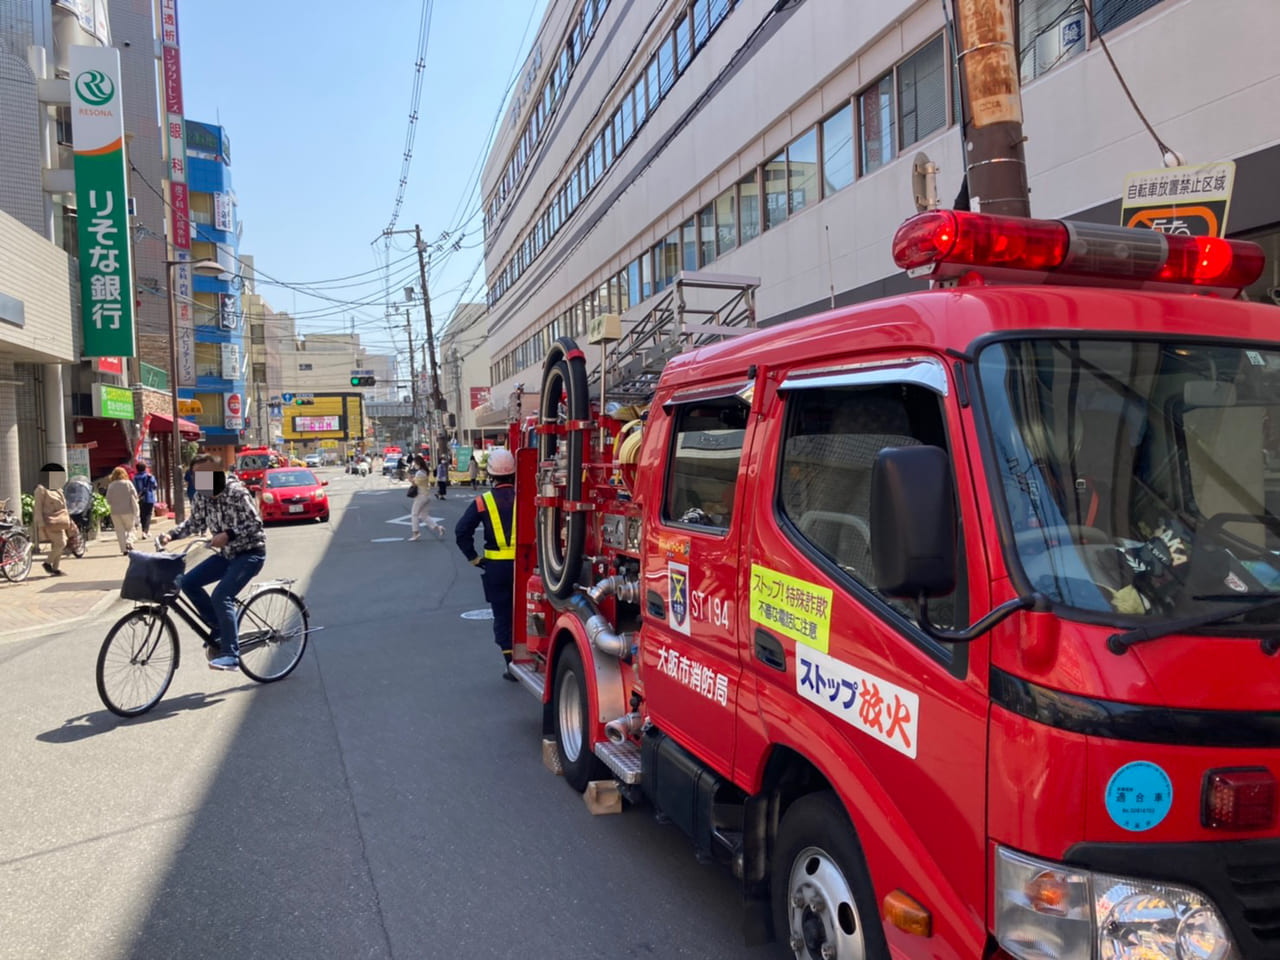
225 508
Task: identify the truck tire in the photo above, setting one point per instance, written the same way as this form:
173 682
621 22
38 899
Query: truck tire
822 893
562 533
571 710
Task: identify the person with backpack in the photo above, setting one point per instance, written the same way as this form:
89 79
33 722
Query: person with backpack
145 484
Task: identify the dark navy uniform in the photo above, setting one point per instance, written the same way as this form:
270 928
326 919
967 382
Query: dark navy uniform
496 511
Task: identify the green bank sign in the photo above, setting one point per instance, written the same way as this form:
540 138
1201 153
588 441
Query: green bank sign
97 132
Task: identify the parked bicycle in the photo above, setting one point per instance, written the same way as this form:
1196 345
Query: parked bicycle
15 547
140 654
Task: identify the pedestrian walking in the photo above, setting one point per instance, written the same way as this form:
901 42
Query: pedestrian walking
442 477
190 478
473 471
49 510
418 515
496 510
122 498
145 484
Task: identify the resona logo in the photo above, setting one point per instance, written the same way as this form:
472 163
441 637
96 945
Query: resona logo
95 87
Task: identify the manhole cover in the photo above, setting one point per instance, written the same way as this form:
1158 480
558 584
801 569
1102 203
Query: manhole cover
485 614
387 540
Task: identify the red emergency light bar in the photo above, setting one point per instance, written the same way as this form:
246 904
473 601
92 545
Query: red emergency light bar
953 244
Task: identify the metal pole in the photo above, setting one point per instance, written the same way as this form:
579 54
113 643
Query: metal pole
177 505
413 385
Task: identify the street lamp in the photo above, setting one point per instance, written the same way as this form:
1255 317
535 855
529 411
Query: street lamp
206 268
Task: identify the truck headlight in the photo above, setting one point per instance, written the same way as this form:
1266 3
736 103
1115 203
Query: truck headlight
1050 910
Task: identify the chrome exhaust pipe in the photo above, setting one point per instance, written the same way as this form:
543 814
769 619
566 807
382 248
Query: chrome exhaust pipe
620 730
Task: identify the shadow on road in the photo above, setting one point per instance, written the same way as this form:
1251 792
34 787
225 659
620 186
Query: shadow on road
87 725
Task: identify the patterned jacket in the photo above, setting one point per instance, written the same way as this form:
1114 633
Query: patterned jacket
233 512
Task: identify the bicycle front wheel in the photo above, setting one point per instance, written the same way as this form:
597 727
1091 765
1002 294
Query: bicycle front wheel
15 558
137 661
273 634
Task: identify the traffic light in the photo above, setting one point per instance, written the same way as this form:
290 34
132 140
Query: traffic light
362 381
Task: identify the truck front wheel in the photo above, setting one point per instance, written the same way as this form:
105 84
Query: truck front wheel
571 709
823 903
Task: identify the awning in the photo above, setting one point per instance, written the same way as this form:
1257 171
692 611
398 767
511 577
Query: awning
162 425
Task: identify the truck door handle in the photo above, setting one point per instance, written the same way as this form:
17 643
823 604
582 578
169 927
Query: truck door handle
655 605
769 650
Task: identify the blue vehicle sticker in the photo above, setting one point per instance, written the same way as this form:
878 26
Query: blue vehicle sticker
1139 796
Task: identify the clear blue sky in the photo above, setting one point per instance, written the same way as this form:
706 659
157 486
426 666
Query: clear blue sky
316 98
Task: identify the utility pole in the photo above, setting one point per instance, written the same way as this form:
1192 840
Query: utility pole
413 383
995 164
436 399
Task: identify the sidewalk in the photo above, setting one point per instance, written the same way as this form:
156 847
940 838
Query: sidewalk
42 604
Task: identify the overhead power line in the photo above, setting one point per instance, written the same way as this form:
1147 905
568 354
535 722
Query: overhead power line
415 99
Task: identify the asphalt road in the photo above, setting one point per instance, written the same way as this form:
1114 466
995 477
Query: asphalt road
387 800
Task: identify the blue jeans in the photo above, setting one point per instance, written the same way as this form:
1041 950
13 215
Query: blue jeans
219 611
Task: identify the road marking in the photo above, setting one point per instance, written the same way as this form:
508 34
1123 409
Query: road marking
485 614
387 540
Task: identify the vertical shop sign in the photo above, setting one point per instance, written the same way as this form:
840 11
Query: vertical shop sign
179 200
97 132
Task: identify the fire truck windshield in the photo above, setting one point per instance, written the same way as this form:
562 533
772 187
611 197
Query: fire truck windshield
1141 477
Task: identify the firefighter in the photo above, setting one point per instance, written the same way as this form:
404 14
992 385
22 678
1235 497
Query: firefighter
496 510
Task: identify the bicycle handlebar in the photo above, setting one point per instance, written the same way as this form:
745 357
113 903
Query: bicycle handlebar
195 542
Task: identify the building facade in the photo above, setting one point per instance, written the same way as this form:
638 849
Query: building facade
774 143
54 406
464 369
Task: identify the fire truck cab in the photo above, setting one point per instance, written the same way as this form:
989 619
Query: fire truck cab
948 622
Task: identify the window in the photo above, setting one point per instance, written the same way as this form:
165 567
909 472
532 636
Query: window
726 222
667 64
646 274
684 42
706 450
875 111
719 10
628 119
1108 14
619 139
260 372
634 295
208 359
749 207
775 191
653 83
624 289
701 22
1049 31
922 92
802 170
837 150
707 234
641 109
668 259
689 246
588 17
824 489
257 333
615 293
304 367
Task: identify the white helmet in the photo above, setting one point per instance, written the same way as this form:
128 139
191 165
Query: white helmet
500 463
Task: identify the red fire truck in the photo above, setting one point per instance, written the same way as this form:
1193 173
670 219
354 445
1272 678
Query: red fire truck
948 622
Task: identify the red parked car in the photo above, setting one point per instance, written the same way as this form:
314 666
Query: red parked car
292 493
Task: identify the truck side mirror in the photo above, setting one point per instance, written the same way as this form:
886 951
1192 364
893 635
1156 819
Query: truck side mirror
913 522
913 536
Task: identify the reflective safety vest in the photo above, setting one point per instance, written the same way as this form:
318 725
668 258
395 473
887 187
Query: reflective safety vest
506 546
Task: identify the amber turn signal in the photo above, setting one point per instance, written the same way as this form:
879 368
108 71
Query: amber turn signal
906 913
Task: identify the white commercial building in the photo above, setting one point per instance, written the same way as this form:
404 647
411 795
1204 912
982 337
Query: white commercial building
775 141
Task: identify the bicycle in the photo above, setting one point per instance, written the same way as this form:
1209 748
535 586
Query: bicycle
15 547
140 653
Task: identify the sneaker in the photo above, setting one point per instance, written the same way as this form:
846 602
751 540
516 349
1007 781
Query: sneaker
212 652
224 663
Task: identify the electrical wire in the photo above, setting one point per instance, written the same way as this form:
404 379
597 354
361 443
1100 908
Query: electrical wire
415 100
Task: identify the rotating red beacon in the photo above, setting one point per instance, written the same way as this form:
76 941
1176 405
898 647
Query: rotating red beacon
947 622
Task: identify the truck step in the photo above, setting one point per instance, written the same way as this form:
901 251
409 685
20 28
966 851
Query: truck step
621 758
531 679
